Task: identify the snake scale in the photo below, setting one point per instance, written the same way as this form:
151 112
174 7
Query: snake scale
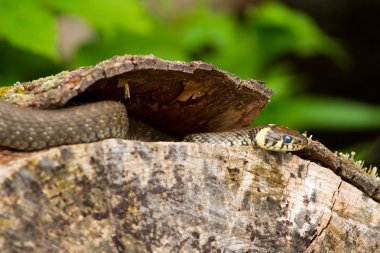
34 129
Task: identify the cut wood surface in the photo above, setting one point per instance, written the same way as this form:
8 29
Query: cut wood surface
131 196
134 196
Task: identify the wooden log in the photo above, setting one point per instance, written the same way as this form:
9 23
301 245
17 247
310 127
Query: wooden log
131 196
134 196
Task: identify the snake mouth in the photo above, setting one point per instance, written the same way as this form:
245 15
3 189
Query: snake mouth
282 147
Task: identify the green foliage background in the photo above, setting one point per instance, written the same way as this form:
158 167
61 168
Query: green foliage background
250 47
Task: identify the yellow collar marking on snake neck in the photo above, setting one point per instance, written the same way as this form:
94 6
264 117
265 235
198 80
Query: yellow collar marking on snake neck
280 139
261 137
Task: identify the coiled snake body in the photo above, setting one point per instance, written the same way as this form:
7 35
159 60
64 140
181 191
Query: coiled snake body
34 129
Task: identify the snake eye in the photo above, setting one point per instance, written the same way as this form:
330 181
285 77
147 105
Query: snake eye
287 139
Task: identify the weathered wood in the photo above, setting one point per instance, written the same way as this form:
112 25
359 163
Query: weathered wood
131 196
344 167
176 97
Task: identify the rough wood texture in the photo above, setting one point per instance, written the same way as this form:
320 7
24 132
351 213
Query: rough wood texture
132 196
177 97
345 168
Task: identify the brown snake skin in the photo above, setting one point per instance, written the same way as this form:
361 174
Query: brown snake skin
269 137
33 129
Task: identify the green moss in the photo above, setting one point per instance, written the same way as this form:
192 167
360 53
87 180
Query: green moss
4 90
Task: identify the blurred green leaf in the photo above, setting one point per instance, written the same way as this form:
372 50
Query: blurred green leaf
203 27
109 16
21 65
29 25
317 112
282 79
156 42
217 38
283 30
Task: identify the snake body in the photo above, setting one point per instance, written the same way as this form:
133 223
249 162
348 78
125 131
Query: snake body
269 137
35 129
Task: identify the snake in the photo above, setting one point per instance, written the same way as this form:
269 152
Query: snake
29 129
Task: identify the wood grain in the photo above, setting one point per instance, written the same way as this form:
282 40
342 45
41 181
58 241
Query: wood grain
130 196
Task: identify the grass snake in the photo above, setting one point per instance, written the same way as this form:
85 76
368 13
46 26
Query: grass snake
34 129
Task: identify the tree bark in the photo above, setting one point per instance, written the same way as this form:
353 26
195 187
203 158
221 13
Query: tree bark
134 196
131 196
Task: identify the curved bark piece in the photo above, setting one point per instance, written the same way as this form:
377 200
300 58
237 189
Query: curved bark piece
176 97
131 196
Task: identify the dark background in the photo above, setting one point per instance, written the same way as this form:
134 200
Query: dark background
356 24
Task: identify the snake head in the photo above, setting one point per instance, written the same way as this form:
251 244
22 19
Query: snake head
280 139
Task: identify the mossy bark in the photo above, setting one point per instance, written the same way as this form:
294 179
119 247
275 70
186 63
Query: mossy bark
135 196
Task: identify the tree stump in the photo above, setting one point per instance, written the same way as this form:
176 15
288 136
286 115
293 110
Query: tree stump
164 195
